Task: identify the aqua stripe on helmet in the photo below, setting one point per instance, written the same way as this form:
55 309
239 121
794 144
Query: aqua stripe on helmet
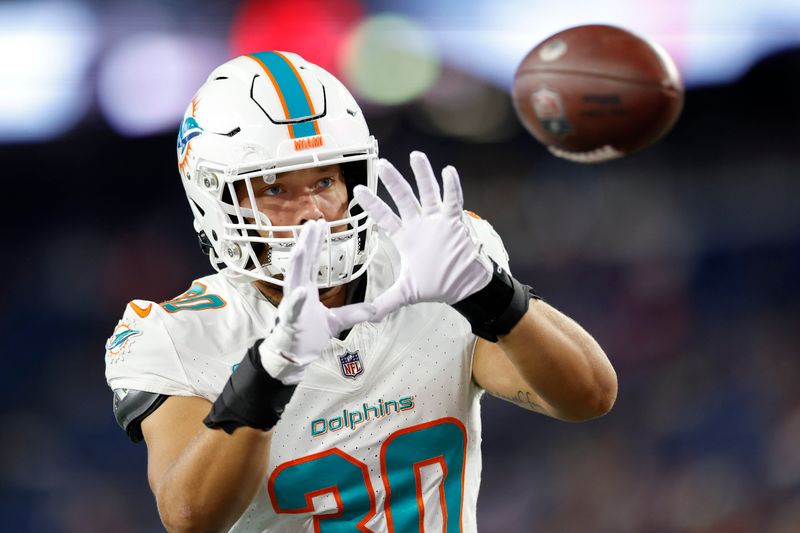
291 91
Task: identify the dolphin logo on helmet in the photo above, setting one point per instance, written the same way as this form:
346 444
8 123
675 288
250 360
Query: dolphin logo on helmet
189 130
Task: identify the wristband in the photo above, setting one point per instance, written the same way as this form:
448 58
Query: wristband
495 309
251 397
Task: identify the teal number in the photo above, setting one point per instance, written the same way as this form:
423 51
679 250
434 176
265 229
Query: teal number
442 441
195 299
293 485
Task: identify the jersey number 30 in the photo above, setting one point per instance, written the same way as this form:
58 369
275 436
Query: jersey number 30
195 299
293 485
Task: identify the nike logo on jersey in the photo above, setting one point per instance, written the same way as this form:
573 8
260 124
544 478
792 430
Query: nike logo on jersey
142 312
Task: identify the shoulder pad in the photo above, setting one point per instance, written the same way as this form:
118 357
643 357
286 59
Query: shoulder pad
133 406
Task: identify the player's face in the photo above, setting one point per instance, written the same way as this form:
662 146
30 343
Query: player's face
300 195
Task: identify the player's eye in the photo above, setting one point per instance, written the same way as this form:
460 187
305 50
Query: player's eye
324 183
274 190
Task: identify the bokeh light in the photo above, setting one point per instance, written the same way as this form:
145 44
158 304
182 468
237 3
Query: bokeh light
45 50
145 61
390 59
468 108
314 29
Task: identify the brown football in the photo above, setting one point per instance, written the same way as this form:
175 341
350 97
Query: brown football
593 93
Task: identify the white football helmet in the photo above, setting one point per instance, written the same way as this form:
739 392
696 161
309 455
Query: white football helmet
256 116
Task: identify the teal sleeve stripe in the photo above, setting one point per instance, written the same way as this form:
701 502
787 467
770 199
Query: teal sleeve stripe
290 87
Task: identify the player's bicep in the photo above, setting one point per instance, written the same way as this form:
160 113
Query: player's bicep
168 430
493 371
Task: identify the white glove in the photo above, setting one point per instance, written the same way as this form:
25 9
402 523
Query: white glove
439 260
304 325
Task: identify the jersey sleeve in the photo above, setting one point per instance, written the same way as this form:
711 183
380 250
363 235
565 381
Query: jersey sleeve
140 355
484 234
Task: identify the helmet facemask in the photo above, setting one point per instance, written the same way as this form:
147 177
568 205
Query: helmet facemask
251 246
259 116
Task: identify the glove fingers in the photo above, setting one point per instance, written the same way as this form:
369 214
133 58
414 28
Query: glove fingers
291 305
429 195
318 229
399 189
305 258
297 260
391 300
347 316
453 197
377 209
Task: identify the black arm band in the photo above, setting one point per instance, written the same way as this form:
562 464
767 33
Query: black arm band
250 398
496 308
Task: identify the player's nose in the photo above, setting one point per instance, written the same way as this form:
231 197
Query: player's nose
308 209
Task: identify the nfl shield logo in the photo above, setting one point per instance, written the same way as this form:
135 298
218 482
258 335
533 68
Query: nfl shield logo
549 109
351 364
547 104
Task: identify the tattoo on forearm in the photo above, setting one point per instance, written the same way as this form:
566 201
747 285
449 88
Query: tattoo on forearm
522 398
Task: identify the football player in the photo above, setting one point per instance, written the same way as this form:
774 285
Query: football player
328 376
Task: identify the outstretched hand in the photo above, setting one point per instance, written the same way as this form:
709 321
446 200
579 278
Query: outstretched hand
439 260
304 324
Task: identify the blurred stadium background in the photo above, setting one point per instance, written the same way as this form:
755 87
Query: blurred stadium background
683 260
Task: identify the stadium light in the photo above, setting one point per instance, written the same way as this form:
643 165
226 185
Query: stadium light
45 49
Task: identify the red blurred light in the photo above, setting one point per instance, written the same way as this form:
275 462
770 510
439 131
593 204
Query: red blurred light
315 29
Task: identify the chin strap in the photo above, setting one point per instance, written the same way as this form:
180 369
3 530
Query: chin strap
204 242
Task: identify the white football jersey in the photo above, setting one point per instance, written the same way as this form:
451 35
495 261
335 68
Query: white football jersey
383 433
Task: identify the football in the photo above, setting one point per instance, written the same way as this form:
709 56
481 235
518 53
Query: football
593 93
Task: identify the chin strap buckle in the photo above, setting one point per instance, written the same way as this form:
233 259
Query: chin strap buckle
205 242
